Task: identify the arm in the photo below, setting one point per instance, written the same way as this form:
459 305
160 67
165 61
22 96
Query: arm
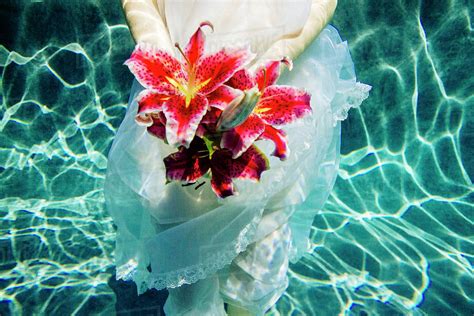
320 15
146 22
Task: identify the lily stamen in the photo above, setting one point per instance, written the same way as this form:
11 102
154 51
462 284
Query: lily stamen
199 185
188 184
182 53
264 78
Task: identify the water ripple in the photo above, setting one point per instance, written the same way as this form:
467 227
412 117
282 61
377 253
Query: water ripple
395 237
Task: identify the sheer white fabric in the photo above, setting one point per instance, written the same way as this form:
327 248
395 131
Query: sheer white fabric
169 235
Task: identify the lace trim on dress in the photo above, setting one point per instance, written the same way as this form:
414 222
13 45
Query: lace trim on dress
191 274
353 99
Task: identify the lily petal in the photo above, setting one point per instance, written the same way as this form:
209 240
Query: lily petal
278 137
240 138
211 116
154 68
208 122
222 185
282 105
181 120
249 165
242 80
150 101
222 96
188 164
201 131
254 162
270 72
158 127
215 69
195 48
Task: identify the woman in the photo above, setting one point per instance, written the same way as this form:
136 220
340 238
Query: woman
208 251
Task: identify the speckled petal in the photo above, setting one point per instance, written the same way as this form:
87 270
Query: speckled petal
222 185
211 116
242 80
282 105
150 101
215 69
153 68
209 122
195 48
249 165
222 96
269 73
278 137
181 120
255 163
158 128
240 138
187 165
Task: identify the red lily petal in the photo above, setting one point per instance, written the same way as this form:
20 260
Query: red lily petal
211 116
153 68
222 185
278 136
282 104
255 163
215 69
181 120
209 122
158 127
222 96
270 72
195 48
188 165
249 165
242 80
150 101
201 131
240 138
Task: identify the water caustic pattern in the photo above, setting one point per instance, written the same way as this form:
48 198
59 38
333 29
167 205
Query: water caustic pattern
64 93
396 234
395 237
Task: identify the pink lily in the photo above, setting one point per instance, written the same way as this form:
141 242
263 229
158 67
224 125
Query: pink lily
190 164
183 91
276 105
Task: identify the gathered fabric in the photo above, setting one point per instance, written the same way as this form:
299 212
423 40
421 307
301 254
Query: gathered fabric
207 250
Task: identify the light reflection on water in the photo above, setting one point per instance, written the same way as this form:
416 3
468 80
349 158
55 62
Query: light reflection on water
394 238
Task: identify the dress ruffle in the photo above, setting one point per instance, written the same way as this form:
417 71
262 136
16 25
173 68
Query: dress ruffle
168 235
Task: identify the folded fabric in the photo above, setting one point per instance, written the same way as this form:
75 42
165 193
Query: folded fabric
169 235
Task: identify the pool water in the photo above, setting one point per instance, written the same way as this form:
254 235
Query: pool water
394 238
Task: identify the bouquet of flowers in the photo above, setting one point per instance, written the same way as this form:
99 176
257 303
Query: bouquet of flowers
213 109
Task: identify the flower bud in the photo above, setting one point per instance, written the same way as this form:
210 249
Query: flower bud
238 109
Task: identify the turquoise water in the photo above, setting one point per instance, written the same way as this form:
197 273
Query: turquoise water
394 238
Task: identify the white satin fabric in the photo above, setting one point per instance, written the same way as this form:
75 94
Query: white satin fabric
206 250
254 23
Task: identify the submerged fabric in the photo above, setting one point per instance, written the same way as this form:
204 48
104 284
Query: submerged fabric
256 23
169 235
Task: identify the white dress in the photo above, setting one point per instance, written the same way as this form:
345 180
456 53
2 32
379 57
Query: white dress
205 250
